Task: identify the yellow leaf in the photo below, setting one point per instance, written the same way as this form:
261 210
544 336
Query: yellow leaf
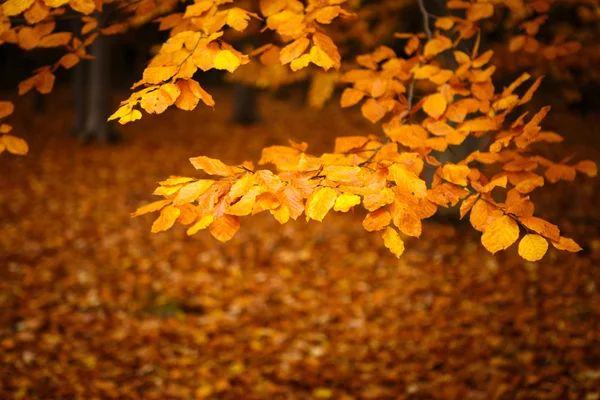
300 62
175 180
156 75
200 93
456 174
320 58
482 214
327 55
377 220
407 181
226 60
15 7
392 241
168 216
192 191
542 227
15 145
294 50
187 100
327 14
203 223
212 166
350 97
479 11
37 12
319 203
565 243
533 247
83 6
500 234
56 39
372 110
345 202
134 115
69 60
588 167
270 7
225 227
435 105
238 18
6 108
437 45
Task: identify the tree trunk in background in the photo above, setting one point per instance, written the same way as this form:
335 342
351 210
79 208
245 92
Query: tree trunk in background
97 108
245 105
245 101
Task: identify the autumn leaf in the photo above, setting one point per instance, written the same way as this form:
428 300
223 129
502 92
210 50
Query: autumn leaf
435 105
377 220
15 145
319 203
167 218
148 208
392 241
212 166
500 234
345 202
533 247
224 227
226 60
567 244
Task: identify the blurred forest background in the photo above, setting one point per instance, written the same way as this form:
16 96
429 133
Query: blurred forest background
94 306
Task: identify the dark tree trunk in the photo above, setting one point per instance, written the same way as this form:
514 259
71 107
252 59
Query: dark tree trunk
245 105
97 108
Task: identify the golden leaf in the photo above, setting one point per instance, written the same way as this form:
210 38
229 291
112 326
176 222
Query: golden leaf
500 234
226 60
345 202
407 181
294 50
6 108
212 166
15 7
15 145
319 203
167 218
533 247
377 220
225 227
542 227
392 241
83 6
156 75
479 11
372 110
456 174
192 191
435 105
565 243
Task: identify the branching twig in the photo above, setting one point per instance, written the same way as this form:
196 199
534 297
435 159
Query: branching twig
425 15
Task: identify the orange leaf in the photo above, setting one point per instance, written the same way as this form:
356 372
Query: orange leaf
319 203
168 216
500 234
225 227
533 247
435 105
377 220
15 145
392 241
212 166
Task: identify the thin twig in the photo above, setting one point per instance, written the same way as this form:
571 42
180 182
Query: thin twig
425 15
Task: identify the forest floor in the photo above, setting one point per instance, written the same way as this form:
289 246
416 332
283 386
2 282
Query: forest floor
94 306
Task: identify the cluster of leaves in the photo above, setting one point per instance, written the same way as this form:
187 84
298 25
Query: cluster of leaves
31 24
380 173
95 307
